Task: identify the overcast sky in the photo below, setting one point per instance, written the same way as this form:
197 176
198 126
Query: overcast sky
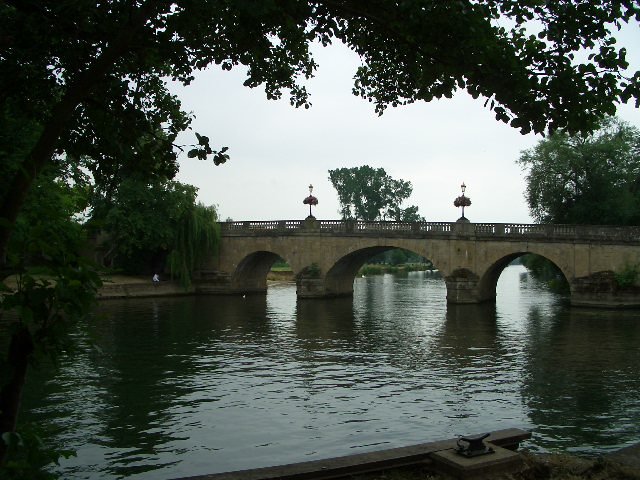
277 151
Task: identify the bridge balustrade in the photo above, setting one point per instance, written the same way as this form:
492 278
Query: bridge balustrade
291 224
337 226
384 226
524 229
488 228
509 230
434 227
562 230
257 226
615 233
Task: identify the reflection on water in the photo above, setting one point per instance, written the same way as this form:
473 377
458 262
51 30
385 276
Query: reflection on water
582 375
186 386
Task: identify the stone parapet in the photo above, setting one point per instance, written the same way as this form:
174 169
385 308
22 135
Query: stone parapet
517 231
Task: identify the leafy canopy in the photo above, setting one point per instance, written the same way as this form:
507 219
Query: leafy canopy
370 194
90 78
585 179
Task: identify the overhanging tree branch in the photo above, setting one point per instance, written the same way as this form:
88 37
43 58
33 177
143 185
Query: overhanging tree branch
78 89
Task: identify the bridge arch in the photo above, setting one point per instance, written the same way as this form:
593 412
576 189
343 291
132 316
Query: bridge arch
339 278
341 275
340 266
250 273
488 281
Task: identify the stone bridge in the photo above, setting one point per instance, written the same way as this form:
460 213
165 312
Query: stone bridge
598 262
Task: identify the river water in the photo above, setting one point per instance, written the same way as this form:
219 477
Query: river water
171 387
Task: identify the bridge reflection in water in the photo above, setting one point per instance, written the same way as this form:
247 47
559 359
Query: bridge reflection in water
325 256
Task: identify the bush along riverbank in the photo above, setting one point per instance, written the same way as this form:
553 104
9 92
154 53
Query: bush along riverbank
381 268
547 272
285 274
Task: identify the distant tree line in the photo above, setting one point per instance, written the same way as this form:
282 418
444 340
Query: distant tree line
399 256
139 226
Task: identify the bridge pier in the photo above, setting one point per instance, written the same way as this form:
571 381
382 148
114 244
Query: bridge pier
463 287
600 290
325 286
310 288
212 282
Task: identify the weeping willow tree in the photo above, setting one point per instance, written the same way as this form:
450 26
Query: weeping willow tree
197 236
152 227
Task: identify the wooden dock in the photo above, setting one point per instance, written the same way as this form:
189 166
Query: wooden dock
436 454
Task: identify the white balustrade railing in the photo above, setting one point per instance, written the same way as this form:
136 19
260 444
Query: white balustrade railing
358 227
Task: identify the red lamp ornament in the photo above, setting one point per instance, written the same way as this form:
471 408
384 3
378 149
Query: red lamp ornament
310 200
462 201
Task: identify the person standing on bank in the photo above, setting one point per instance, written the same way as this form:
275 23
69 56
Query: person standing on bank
156 279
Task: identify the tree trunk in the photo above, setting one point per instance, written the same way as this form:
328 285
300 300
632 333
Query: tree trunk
79 88
20 351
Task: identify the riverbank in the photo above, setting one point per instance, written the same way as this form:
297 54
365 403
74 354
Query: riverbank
621 465
539 467
128 286
124 286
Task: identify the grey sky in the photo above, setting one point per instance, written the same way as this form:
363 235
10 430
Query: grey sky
277 150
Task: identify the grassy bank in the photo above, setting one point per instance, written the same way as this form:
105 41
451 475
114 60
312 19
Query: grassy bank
382 268
283 271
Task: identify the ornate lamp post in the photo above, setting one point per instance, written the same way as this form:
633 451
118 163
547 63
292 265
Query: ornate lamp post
462 201
310 200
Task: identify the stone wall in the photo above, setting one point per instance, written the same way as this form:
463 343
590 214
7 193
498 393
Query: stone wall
137 290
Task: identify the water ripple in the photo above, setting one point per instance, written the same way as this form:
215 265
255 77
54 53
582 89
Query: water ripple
188 386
